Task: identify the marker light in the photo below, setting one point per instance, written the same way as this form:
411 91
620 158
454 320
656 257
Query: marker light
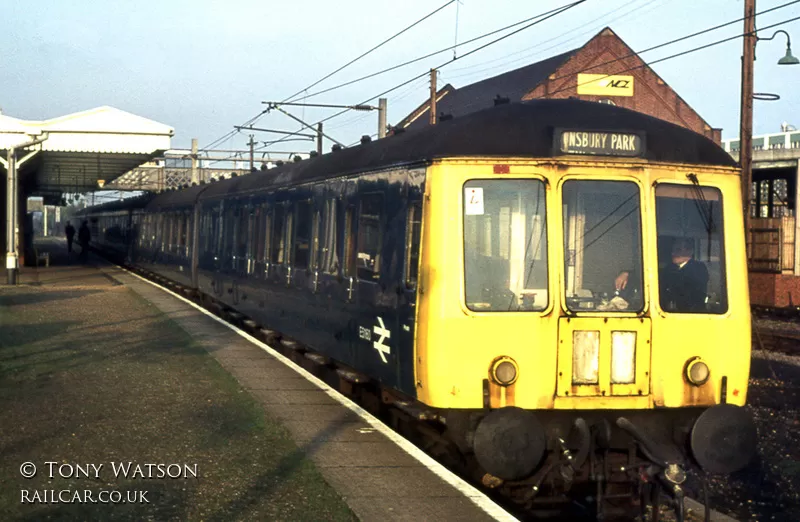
697 372
585 356
504 371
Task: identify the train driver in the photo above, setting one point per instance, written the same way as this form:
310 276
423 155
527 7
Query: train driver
682 284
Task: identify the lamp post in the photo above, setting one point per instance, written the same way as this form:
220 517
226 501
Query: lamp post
746 112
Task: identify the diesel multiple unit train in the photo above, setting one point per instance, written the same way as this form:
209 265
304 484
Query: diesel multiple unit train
556 283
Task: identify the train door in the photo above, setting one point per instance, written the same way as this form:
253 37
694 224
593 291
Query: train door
407 291
604 332
371 213
332 281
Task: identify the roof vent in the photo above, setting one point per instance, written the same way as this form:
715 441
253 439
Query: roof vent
501 100
336 147
365 139
445 117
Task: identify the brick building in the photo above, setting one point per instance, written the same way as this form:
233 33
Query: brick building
604 69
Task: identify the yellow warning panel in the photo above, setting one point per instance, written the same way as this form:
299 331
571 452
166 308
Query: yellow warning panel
605 85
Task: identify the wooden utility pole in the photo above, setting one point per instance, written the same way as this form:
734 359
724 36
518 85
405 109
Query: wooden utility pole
195 179
433 97
252 144
381 118
746 114
319 138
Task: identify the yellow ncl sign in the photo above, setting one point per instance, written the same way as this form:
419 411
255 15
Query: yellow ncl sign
605 85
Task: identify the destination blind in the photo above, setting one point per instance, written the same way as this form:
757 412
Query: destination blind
599 143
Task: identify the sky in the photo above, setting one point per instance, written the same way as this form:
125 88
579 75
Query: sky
204 66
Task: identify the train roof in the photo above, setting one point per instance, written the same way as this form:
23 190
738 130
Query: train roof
136 202
519 130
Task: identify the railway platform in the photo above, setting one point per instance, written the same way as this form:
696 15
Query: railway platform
101 369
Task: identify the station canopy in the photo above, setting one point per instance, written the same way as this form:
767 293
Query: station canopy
82 151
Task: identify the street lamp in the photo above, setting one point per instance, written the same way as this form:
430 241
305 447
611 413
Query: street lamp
788 59
746 112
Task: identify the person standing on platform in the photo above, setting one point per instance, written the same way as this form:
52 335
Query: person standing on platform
70 232
84 236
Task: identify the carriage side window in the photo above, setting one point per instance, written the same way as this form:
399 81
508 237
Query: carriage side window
186 225
216 234
251 239
242 235
349 241
329 251
691 253
261 233
228 239
163 229
315 252
413 238
602 241
278 218
302 238
288 235
505 245
369 237
169 219
268 216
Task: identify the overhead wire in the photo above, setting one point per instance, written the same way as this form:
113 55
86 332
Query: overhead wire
429 55
258 116
539 19
494 61
682 38
557 42
354 60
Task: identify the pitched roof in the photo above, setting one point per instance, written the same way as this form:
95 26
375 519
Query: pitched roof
480 95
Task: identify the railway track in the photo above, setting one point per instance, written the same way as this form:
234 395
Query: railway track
776 329
787 342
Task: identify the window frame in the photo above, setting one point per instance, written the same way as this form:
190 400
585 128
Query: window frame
723 268
540 184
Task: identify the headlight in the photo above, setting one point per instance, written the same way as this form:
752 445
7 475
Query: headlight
504 371
697 372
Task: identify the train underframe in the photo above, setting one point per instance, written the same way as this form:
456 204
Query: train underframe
601 463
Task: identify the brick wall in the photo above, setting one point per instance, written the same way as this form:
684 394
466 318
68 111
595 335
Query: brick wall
774 289
762 288
651 95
